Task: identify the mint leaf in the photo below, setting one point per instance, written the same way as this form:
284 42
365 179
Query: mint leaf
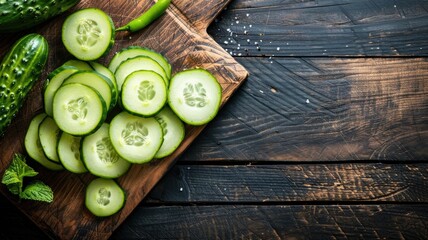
21 168
37 191
13 178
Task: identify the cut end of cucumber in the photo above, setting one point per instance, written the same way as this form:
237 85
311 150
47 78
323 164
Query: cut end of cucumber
78 109
88 34
104 197
195 96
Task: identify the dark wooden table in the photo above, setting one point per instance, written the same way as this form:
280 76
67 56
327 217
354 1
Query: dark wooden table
326 139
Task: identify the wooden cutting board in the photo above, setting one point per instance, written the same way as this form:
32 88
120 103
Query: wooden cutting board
181 36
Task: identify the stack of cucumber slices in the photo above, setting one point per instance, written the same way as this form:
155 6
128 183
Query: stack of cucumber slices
102 119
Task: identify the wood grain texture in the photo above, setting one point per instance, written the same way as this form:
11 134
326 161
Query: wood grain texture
324 28
323 109
327 139
285 184
175 36
374 221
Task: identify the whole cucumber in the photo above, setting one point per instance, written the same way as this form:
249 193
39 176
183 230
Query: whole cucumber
17 15
20 69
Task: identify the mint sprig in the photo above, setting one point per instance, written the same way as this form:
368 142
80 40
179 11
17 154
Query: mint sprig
14 176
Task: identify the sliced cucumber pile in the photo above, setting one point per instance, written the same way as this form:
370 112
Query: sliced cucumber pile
101 120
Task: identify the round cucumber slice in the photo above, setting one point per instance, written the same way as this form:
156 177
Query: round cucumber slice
99 156
136 139
104 197
195 96
173 132
78 109
143 93
49 134
69 153
88 34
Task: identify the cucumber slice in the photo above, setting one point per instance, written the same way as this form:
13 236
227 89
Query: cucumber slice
53 82
104 197
88 34
49 134
69 153
99 156
136 139
134 51
78 109
33 146
97 81
173 132
143 93
195 96
135 64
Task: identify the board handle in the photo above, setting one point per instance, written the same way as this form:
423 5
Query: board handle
200 19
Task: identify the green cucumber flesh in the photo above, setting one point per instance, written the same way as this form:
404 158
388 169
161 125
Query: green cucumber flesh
195 96
53 82
99 156
78 109
135 64
104 197
49 133
143 93
135 139
173 132
33 146
88 34
135 51
97 81
69 153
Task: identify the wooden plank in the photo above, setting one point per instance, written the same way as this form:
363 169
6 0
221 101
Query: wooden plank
323 109
277 222
324 28
270 184
172 35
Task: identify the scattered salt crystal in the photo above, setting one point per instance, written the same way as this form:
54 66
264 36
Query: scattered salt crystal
226 42
278 48
248 40
251 25
181 189
247 14
237 22
307 101
261 91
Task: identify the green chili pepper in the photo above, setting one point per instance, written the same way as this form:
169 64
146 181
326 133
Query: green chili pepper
147 17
